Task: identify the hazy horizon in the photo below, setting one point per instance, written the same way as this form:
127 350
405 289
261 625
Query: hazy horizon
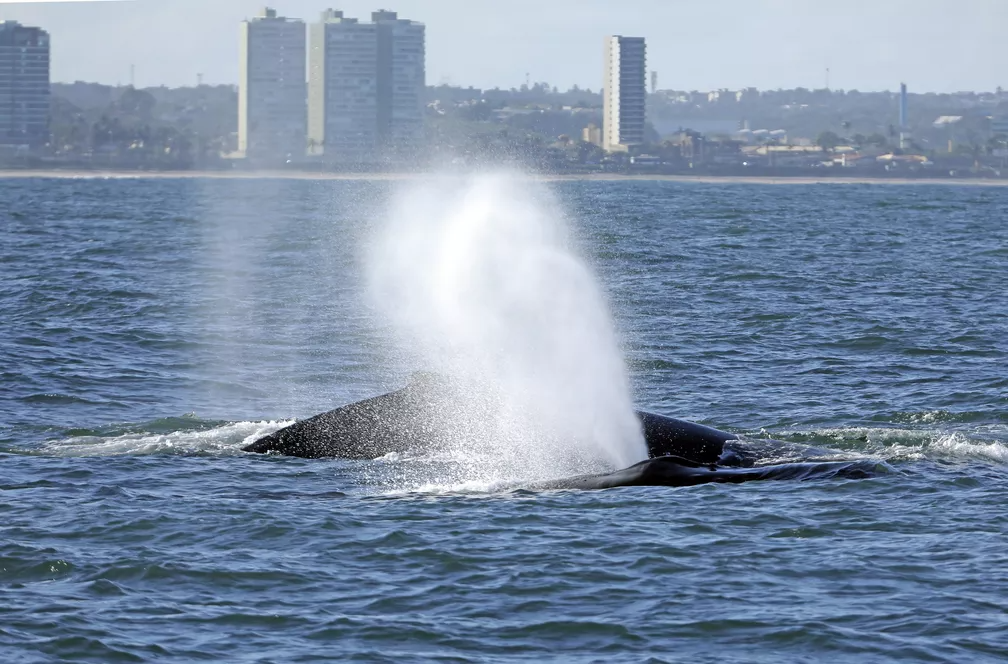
932 45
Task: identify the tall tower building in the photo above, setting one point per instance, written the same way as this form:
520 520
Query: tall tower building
343 88
24 85
366 85
623 92
272 110
401 77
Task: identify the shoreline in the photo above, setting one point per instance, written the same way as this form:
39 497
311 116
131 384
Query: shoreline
588 177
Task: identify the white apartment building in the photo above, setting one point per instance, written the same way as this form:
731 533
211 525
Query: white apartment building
272 108
24 85
343 88
623 93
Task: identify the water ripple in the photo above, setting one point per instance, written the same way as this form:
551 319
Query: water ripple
153 327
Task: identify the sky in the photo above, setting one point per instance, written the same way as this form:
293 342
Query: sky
932 45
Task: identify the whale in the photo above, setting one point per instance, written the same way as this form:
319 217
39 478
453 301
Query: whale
675 471
406 420
410 420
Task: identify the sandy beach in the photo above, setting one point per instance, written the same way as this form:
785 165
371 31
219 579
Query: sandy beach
606 177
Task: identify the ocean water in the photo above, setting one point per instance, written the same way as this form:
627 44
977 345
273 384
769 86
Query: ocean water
151 327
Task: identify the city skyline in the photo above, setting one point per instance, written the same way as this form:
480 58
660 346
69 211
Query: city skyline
934 46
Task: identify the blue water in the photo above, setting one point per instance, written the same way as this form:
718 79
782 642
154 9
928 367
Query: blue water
151 327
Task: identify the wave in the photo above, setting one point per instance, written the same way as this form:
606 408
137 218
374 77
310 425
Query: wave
197 437
944 416
63 399
986 443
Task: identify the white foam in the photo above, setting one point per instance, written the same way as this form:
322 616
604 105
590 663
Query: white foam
983 443
229 437
958 446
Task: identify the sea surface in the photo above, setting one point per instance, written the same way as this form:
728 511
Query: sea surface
151 327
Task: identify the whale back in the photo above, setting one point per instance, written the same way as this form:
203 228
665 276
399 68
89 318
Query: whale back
394 422
415 417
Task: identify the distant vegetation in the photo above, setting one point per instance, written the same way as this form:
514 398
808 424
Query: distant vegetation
193 127
853 116
155 126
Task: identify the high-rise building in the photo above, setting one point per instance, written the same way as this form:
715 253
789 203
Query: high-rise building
624 92
24 85
401 77
342 88
366 84
272 108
